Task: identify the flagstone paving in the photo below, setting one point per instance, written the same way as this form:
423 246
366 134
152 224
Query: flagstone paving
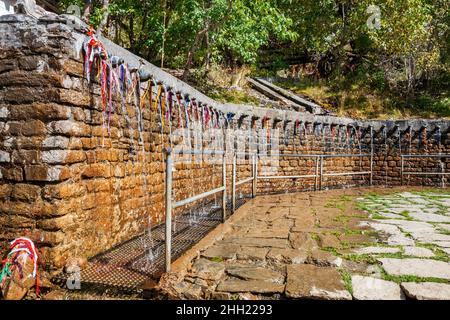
339 244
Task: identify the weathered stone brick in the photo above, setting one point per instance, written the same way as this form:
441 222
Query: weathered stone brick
32 62
46 173
97 170
17 78
26 157
74 97
4 156
22 95
55 142
69 128
26 192
8 64
33 128
16 221
5 191
55 224
43 111
64 191
97 185
52 238
12 173
73 67
62 156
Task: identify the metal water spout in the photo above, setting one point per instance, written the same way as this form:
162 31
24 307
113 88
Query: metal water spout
421 135
438 137
410 134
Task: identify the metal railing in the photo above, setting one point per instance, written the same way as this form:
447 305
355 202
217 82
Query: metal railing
421 173
235 183
349 173
170 204
319 168
315 175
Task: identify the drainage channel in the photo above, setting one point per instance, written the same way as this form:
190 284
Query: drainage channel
126 267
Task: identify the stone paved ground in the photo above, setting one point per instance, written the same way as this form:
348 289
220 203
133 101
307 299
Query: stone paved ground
340 244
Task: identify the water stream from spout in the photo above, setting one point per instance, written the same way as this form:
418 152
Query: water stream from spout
386 156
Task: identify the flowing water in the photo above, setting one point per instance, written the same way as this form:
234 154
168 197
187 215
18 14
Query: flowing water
386 155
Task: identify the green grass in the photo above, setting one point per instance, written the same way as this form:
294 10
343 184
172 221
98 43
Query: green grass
334 203
234 96
315 236
409 278
360 96
405 214
444 231
347 278
367 258
217 259
439 254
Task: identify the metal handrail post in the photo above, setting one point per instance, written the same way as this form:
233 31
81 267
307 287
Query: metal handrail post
224 184
371 155
254 175
316 174
321 173
401 168
168 203
233 185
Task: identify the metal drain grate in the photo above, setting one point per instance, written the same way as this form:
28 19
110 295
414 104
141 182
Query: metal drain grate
127 266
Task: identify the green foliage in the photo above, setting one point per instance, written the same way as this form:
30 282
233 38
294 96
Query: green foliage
402 67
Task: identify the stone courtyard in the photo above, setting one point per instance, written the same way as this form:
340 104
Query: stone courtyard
338 244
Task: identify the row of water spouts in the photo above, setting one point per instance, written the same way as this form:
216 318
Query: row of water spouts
343 138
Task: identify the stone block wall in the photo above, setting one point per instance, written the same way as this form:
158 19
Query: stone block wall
78 186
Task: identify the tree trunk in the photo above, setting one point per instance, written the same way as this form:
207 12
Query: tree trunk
164 34
192 50
208 52
102 24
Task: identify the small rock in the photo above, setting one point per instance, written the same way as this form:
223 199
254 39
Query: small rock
181 287
221 296
252 253
374 270
352 266
208 270
426 290
223 251
247 296
201 282
255 273
308 281
323 258
55 295
256 286
193 292
287 256
368 288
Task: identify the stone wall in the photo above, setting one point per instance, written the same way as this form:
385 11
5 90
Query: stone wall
78 186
